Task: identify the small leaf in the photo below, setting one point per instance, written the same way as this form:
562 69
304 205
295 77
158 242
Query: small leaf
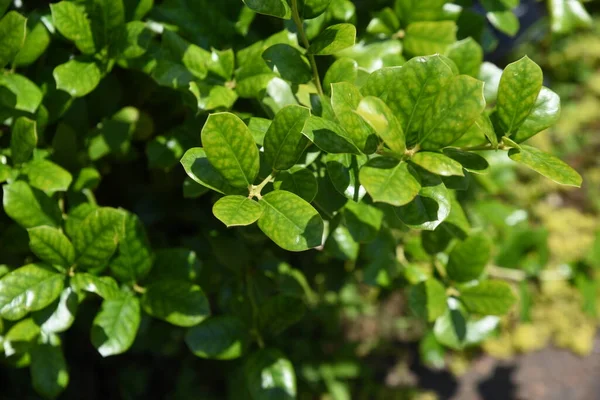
379 82
427 299
290 222
425 38
116 325
430 208
546 165
59 316
230 149
288 62
469 257
343 171
284 142
491 75
379 116
519 88
136 40
329 136
345 99
269 375
279 313
333 39
544 114
488 298
29 288
452 113
237 211
134 258
467 54
342 70
501 17
419 10
470 161
198 168
437 163
178 302
451 328
78 78
104 286
47 176
175 263
49 374
51 246
275 8
23 139
313 8
70 20
30 207
300 181
389 181
363 221
12 36
568 15
25 95
219 338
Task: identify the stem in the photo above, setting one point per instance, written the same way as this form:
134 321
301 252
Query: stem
139 289
304 39
354 166
254 191
255 330
485 146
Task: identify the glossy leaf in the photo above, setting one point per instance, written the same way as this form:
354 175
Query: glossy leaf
198 168
437 163
104 286
47 176
470 161
269 375
488 298
237 211
546 165
288 62
519 88
567 15
290 222
469 257
342 70
389 181
427 299
467 54
313 8
329 136
544 114
419 10
379 116
30 207
345 99
425 38
115 327
60 315
49 374
134 258
78 78
451 328
343 171
12 36
25 95
275 8
178 302
220 338
333 39
501 17
71 21
29 288
230 149
23 139
363 221
51 246
280 312
430 208
379 82
284 142
300 181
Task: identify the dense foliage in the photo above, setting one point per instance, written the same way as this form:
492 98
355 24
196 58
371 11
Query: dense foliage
227 191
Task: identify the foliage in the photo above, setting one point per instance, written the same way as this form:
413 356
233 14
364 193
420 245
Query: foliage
191 182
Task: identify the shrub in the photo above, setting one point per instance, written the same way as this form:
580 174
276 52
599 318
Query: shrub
325 176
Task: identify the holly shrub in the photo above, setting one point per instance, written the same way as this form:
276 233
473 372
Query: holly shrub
209 199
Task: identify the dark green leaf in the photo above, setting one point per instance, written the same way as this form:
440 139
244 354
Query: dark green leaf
279 313
37 41
71 21
488 298
237 211
427 299
49 374
275 8
430 208
30 207
501 17
345 100
269 375
313 8
23 140
134 258
51 246
389 180
300 181
175 263
469 257
329 136
363 221
545 113
198 168
116 325
343 172
451 328
59 316
284 142
104 286
333 39
220 338
379 116
178 302
546 165
419 10
288 62
470 161
12 36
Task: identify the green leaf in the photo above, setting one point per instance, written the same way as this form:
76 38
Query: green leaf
546 165
108 23
379 82
116 325
345 100
25 95
329 136
134 258
363 221
51 246
313 8
437 163
20 338
76 216
237 211
269 375
104 286
71 21
413 88
60 315
452 113
30 207
488 298
290 222
78 78
297 180
180 303
284 142
198 168
419 10
427 299
193 58
451 328
470 161
374 55
519 88
342 70
544 114
343 172
49 374
275 8
29 288
425 38
23 140
501 17
230 149
47 176
379 116
389 180
136 40
491 75
468 258
12 36
96 238
288 62
333 39
384 22
568 15
219 338
430 208
279 313
467 54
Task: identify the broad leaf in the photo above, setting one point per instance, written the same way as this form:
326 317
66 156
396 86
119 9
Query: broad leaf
78 78
425 38
51 246
379 83
333 39
300 181
198 168
230 149
29 288
379 116
288 62
23 139
329 136
488 298
134 258
470 161
116 325
501 17
284 142
12 36
290 222
427 299
313 8
71 21
49 374
544 114
275 8
30 207
269 375
279 313
237 211
362 220
60 315
567 15
220 338
342 70
430 208
108 23
469 257
451 328
437 163
104 286
546 165
519 88
25 95
175 263
343 172
389 181
467 54
345 99
178 302
47 176
419 10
